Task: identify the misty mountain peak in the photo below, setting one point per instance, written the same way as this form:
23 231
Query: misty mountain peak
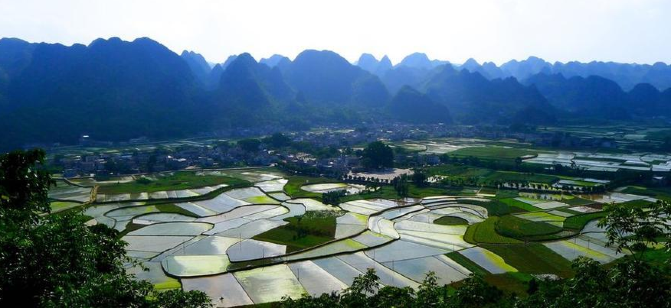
416 60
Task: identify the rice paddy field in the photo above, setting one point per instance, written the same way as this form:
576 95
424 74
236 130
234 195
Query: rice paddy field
248 237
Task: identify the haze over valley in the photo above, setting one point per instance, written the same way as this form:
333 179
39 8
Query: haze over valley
114 90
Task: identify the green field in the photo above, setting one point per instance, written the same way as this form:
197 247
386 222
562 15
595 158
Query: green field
485 233
175 181
303 232
467 263
57 206
494 152
515 227
293 186
519 204
171 208
532 258
459 170
450 221
575 201
578 222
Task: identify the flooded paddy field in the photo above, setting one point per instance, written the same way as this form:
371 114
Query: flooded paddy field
246 240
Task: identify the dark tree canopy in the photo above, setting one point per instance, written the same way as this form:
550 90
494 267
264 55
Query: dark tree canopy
277 140
378 155
249 145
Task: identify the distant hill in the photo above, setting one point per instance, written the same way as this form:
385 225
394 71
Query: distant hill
421 61
398 77
274 60
369 63
326 77
625 75
116 90
249 84
199 67
409 105
473 99
111 89
599 97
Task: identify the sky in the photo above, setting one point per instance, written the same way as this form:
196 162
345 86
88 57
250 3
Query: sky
487 30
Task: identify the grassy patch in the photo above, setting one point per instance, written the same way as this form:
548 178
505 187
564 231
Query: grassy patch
57 206
485 233
519 228
507 193
512 176
637 203
494 207
175 181
578 222
519 204
577 201
467 263
493 152
532 258
172 208
303 232
450 221
657 257
168 284
294 184
462 171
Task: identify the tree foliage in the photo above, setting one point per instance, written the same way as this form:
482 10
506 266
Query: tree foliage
401 185
277 140
333 197
57 260
635 228
378 155
249 145
419 178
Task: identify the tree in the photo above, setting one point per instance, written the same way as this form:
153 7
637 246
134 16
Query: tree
419 178
56 260
378 155
401 186
277 140
630 283
636 228
333 197
249 145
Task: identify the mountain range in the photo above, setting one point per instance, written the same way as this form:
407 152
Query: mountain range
116 90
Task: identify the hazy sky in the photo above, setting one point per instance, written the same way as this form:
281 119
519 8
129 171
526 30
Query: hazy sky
487 30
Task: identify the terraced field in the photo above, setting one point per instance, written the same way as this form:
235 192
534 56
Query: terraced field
257 243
